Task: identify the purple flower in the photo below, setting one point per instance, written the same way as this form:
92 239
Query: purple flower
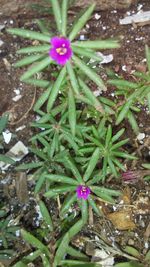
61 50
83 191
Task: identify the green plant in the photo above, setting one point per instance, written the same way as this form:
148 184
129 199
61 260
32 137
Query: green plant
59 253
74 147
134 93
7 231
140 260
73 70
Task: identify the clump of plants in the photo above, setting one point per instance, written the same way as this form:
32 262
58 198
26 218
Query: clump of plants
76 147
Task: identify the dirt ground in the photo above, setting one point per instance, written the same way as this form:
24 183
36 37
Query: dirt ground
129 57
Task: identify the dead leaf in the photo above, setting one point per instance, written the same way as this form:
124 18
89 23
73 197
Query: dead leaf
126 197
122 220
21 187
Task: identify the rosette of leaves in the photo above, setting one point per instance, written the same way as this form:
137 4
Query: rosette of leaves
7 234
53 143
78 89
110 148
134 93
62 249
73 178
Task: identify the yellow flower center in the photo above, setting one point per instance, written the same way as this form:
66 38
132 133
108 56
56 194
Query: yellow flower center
61 51
83 189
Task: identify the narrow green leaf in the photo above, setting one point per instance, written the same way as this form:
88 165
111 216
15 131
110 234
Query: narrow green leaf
6 159
81 22
133 122
119 144
45 260
147 257
64 16
146 165
89 72
39 152
98 44
123 84
32 256
96 178
132 251
44 142
94 206
107 101
76 253
70 199
84 211
71 165
37 68
106 191
71 111
86 53
112 167
76 228
58 109
74 263
28 60
69 138
42 26
55 89
46 216
40 83
86 150
89 94
33 49
108 136
147 52
123 155
148 100
39 183
53 146
32 165
117 135
73 79
42 99
61 179
129 264
60 190
82 99
3 122
124 111
117 162
34 241
101 128
62 249
92 163
103 195
57 13
30 34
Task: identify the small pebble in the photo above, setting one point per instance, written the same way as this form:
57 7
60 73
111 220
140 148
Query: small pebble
141 136
16 98
97 16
